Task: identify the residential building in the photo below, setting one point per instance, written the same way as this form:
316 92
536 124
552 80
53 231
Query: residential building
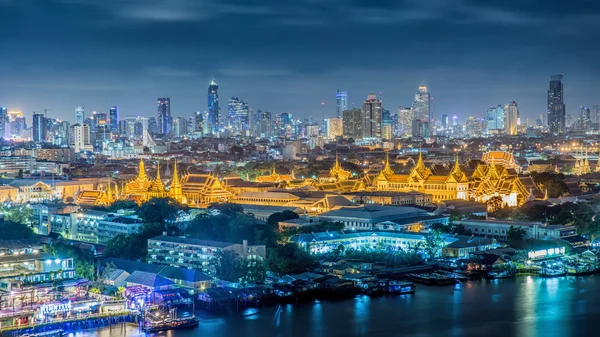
556 105
164 120
352 123
372 117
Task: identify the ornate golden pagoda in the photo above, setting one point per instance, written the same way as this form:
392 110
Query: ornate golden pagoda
176 192
337 172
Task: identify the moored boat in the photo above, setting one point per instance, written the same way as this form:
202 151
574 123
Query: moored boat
401 287
52 333
173 324
548 273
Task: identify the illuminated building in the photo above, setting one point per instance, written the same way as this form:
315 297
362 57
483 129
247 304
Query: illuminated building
341 99
582 165
40 128
556 105
214 120
512 117
113 116
386 124
79 114
372 117
352 123
180 127
275 177
203 189
4 123
422 105
495 119
238 117
164 115
334 128
502 158
80 137
490 180
405 120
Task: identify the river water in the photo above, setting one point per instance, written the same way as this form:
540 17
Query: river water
525 307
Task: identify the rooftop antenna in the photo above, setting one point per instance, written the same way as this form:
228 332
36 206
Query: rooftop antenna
46 112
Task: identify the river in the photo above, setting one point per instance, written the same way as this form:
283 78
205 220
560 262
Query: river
525 307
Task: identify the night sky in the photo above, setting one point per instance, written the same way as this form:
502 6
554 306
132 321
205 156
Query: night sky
282 55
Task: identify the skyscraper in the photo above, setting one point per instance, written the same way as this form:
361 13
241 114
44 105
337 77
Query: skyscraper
445 121
198 122
585 119
4 124
352 123
79 114
512 116
213 108
80 137
405 117
556 105
164 115
40 128
239 116
386 124
372 115
180 127
495 119
335 128
342 102
422 105
113 116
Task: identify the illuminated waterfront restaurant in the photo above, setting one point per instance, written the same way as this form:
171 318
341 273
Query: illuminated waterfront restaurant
324 243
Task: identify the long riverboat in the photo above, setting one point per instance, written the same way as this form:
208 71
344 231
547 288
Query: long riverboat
180 323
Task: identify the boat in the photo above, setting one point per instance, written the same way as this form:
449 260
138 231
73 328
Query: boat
547 273
580 270
420 278
494 275
401 287
52 333
180 323
432 278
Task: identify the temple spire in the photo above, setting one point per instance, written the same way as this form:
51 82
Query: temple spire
158 172
175 180
142 170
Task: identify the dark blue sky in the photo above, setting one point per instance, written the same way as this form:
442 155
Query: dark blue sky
284 55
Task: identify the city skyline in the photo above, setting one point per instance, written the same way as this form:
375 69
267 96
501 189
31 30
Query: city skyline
293 75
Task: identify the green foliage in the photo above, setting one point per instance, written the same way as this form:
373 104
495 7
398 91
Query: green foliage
22 214
122 204
15 231
227 208
162 211
552 182
494 204
323 226
515 233
85 265
288 258
228 265
391 258
132 247
433 244
275 218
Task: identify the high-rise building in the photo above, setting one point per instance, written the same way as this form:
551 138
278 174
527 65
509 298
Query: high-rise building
445 121
180 127
198 122
164 116
556 105
422 105
113 116
585 119
80 137
335 128
341 99
405 117
495 119
4 123
40 128
417 128
473 127
239 116
512 116
213 121
386 124
596 116
372 117
79 114
265 125
352 121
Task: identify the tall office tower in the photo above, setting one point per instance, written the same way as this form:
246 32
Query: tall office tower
596 116
417 128
386 124
113 116
40 128
341 99
80 137
585 119
146 139
422 105
239 116
495 119
79 114
556 105
130 127
352 121
405 117
198 122
512 117
180 127
164 116
473 127
152 125
213 121
335 128
372 117
445 121
265 125
4 123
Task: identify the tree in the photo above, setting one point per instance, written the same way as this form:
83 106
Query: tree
163 211
85 265
227 208
15 231
433 243
515 233
275 218
461 230
494 204
22 214
228 265
439 227
20 174
255 271
288 258
132 247
122 204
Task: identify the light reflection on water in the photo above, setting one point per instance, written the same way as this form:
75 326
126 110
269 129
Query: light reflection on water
526 306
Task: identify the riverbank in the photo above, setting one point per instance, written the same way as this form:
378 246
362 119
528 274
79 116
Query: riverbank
75 324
